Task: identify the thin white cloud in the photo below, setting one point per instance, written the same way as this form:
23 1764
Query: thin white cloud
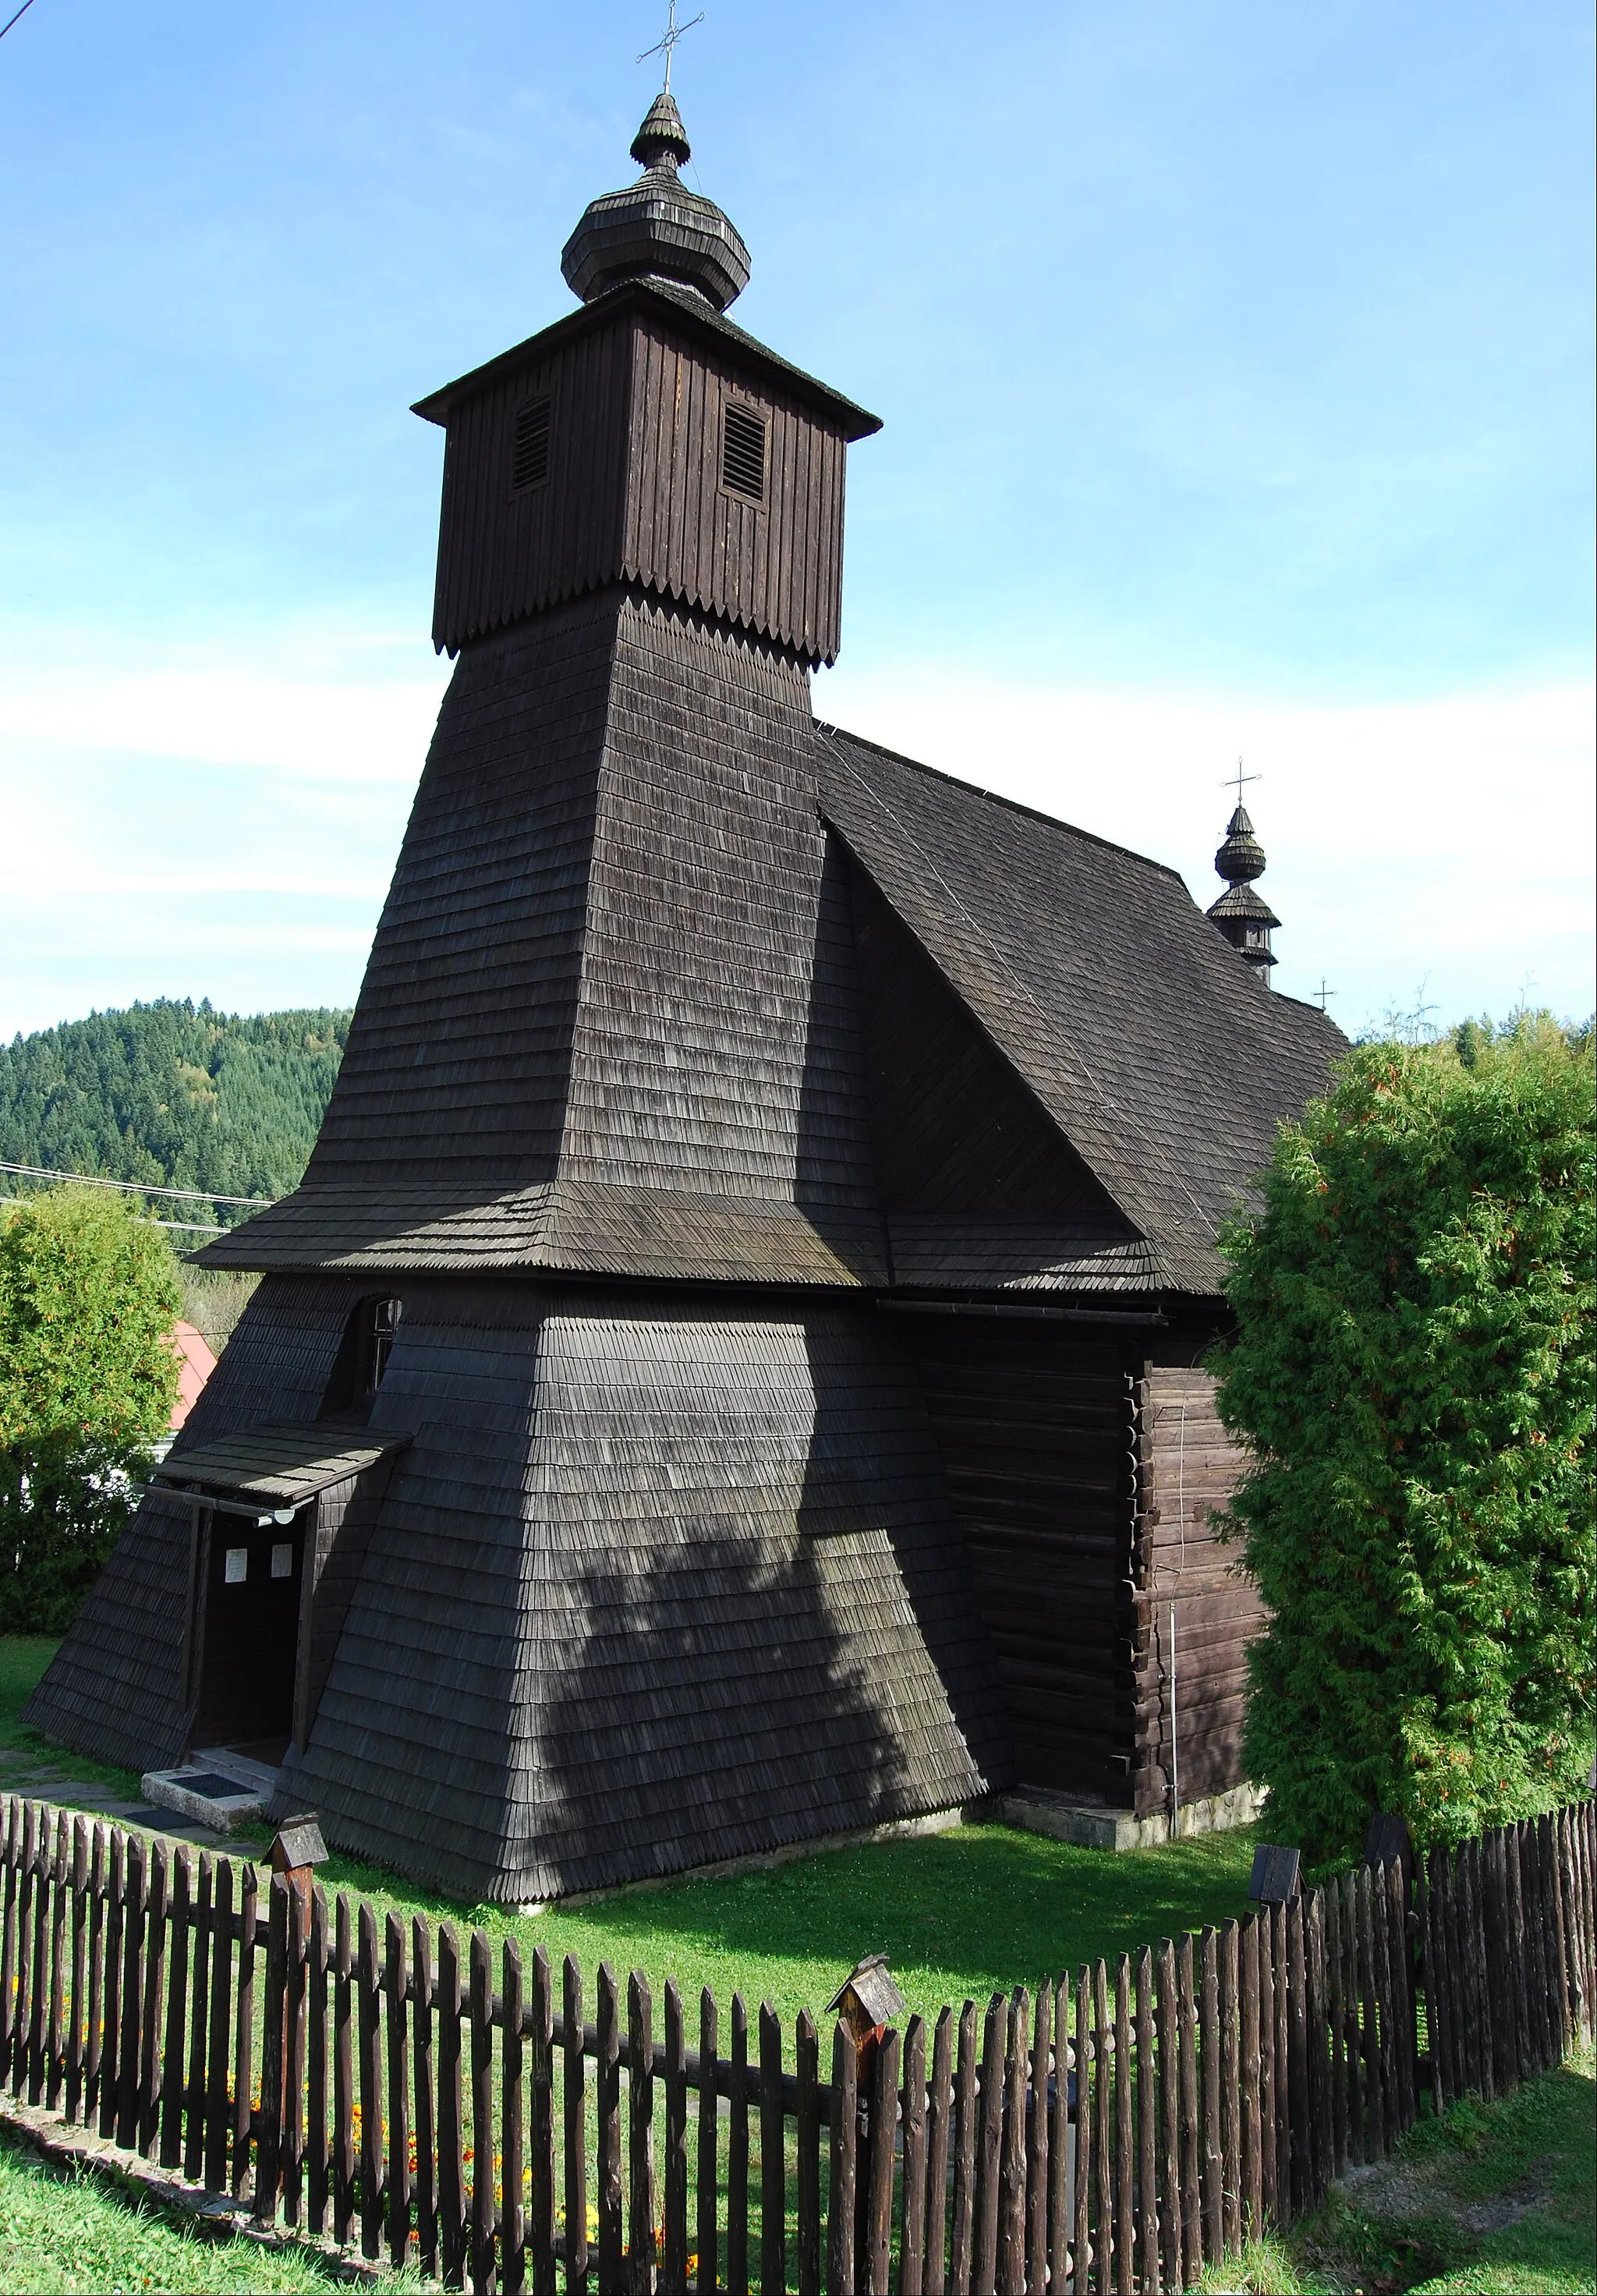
226 718
222 820
1446 842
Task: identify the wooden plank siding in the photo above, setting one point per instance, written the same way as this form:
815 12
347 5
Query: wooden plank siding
1033 1429
633 490
505 554
1188 1467
775 566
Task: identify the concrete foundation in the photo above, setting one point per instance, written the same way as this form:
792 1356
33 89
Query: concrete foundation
1095 1826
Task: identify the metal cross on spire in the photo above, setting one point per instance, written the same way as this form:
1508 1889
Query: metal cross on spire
666 45
1236 779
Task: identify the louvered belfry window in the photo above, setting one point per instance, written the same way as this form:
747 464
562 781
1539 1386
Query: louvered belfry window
529 460
743 452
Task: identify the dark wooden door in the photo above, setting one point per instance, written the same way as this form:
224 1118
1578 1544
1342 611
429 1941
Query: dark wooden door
251 1630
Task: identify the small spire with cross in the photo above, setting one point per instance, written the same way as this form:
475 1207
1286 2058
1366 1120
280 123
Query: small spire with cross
1322 995
1241 915
665 46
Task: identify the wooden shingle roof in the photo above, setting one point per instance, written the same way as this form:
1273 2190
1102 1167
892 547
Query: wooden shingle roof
1163 1060
282 1466
611 1023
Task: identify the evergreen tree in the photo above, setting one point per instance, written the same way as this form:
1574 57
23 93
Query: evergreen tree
1411 1368
175 1096
88 1293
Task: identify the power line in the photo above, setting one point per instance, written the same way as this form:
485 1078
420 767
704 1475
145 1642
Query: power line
22 11
191 1227
132 1187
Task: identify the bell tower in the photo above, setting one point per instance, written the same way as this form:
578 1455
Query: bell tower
602 964
645 438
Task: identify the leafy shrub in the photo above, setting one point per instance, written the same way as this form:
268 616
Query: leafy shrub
88 1290
1411 1368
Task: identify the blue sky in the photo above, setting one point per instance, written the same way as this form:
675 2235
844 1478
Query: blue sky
1235 361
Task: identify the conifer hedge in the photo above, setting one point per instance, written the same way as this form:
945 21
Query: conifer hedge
1412 1369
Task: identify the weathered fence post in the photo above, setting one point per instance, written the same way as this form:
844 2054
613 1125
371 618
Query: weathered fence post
398 2090
674 2224
807 2056
483 2117
878 2204
841 2196
773 2174
542 2142
706 2227
912 2211
608 2083
344 2075
574 2095
641 2134
56 2042
451 2112
940 2116
513 2245
369 2041
1039 2137
989 2144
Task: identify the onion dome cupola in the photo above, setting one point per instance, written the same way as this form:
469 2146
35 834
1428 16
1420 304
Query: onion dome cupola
1241 915
656 228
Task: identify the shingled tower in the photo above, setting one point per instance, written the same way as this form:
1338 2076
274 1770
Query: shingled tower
566 1508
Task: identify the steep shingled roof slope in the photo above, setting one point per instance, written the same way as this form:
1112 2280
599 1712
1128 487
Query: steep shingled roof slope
1145 1037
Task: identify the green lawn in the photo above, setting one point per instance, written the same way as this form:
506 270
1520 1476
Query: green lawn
65 2234
1492 2200
970 1911
23 1752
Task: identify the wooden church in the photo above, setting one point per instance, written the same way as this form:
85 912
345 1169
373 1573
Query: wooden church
731 1373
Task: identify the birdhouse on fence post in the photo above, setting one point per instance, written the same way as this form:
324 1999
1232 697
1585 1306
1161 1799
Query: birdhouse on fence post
297 1850
867 2001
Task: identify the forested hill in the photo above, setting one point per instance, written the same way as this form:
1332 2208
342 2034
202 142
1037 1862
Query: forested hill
174 1095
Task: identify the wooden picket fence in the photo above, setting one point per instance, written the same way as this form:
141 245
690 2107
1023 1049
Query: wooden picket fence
362 2078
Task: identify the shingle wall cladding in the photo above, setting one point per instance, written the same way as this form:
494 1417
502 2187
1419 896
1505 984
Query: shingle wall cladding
114 1690
458 1054
700 1059
954 1129
653 1586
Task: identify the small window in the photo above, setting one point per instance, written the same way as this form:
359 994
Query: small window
282 1560
236 1569
530 458
362 1357
382 1331
743 452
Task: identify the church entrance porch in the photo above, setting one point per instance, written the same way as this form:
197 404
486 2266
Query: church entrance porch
249 1635
279 1517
